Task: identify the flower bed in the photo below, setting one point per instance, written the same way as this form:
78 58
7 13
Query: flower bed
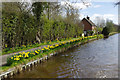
18 58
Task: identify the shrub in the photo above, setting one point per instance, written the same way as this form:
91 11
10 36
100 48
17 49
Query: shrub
105 31
89 32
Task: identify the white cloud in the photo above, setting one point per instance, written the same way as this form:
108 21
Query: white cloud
109 16
76 5
81 5
105 17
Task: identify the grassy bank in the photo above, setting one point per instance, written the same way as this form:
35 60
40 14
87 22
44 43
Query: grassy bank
112 33
23 58
17 49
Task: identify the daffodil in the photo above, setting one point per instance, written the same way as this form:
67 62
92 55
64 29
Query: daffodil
44 47
14 58
11 57
20 55
17 59
51 46
23 52
56 45
5 45
47 48
26 55
33 53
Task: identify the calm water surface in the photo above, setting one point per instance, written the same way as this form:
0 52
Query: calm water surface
97 59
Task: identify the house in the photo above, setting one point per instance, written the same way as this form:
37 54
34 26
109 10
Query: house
88 25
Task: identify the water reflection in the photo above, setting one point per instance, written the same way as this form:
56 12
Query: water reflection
97 59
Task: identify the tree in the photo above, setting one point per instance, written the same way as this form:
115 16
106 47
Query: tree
72 20
105 31
17 23
110 26
37 9
27 23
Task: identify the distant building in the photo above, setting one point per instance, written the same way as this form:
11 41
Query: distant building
88 25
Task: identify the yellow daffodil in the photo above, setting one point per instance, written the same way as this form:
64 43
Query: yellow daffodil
33 53
14 58
5 45
11 57
47 48
26 55
17 56
20 55
23 52
17 59
44 47
51 46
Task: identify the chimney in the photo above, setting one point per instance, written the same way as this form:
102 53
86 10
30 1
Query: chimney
88 17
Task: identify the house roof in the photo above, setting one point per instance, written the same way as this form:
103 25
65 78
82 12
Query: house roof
89 21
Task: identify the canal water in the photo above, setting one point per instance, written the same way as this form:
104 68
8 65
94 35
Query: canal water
97 59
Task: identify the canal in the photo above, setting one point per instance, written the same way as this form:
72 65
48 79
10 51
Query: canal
97 59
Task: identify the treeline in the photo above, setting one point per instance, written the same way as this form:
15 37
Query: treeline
29 23
109 28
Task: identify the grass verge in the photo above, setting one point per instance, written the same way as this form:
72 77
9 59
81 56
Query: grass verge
46 52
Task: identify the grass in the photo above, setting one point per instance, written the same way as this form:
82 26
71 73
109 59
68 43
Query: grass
24 61
17 49
112 33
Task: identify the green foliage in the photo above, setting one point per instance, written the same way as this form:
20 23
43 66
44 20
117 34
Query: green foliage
105 31
89 32
99 29
47 28
37 8
25 26
110 26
